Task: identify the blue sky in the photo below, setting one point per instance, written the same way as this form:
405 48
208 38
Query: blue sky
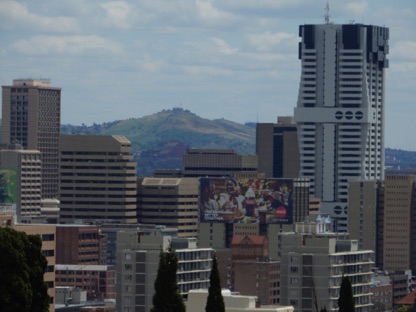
232 59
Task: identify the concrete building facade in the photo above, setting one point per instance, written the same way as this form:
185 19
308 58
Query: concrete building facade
31 117
313 263
78 244
26 166
340 110
97 179
138 261
277 148
364 209
219 163
399 250
99 281
252 271
172 202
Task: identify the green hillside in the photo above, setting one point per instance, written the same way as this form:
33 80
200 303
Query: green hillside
153 132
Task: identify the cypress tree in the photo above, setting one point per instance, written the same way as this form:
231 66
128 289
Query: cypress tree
215 300
346 298
167 297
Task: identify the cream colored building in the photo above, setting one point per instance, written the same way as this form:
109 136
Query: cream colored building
31 117
172 202
97 179
219 163
26 165
197 299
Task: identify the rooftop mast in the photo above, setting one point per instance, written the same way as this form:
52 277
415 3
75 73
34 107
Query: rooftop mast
326 15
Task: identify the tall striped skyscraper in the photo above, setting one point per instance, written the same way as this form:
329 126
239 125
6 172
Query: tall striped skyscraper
340 110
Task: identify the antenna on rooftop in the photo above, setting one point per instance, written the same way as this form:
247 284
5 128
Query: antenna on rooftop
326 15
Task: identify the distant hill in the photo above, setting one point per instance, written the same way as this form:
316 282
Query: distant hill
153 132
159 141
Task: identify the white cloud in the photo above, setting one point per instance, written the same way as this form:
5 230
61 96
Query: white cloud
44 45
150 65
15 15
267 40
356 8
404 50
224 47
270 4
119 13
207 11
207 70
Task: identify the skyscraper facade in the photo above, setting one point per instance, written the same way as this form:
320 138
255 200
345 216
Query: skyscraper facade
277 148
340 110
31 116
97 179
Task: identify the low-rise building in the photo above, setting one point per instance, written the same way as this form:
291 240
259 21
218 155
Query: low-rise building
97 280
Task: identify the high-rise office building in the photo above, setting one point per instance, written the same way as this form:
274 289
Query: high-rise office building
172 202
340 110
97 179
31 116
277 148
399 252
365 206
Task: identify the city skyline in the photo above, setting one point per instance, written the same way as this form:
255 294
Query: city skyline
234 59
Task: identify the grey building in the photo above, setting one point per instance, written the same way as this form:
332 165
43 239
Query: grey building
138 261
314 261
340 110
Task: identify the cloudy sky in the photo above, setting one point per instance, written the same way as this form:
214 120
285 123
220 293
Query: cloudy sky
232 59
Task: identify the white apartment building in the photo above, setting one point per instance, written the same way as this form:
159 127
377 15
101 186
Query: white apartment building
138 261
314 261
340 110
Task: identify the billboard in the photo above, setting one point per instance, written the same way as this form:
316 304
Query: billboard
8 186
245 200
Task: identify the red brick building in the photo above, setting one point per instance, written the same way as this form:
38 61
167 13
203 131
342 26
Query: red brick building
77 244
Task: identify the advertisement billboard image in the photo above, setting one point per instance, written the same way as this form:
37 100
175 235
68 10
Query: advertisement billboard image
8 186
243 200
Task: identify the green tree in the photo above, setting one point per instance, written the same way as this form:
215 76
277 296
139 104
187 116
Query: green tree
346 298
167 297
22 266
215 301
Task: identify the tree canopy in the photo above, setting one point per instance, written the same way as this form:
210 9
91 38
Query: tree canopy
22 266
215 300
167 297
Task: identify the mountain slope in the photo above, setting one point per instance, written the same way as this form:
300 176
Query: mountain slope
154 131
